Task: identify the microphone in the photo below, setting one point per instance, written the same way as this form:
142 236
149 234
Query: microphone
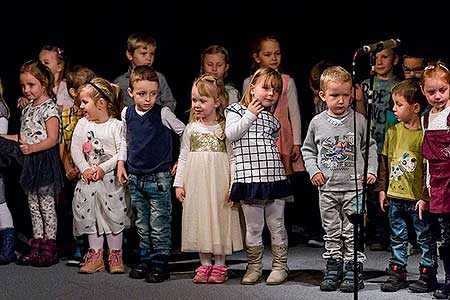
377 47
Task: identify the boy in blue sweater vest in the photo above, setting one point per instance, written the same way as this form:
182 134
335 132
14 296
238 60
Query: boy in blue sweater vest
147 150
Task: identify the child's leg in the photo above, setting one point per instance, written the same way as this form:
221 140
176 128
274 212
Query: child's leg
347 204
428 257
48 212
158 186
7 254
444 254
254 221
115 253
36 217
399 243
275 221
219 272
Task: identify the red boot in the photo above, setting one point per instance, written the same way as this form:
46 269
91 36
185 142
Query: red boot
48 255
32 257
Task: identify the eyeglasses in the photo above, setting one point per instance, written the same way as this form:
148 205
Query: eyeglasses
412 70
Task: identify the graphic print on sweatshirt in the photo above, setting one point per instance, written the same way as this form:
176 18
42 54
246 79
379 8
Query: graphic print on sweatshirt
93 150
338 152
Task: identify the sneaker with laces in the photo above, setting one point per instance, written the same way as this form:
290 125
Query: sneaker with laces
202 274
115 262
219 274
93 262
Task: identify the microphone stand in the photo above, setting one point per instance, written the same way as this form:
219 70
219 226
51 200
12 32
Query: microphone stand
357 218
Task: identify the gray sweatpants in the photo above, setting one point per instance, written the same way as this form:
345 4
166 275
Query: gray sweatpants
334 208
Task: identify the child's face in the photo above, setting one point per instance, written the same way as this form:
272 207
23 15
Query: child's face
32 88
337 96
204 108
437 92
269 56
385 62
50 59
91 109
404 111
413 67
265 93
144 93
215 64
143 55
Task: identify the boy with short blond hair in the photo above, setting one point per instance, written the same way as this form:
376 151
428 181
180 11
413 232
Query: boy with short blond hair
329 154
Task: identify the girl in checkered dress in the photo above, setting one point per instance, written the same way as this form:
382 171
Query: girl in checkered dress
260 183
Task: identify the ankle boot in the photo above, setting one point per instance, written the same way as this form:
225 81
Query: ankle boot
93 262
48 254
444 291
333 275
254 265
7 254
396 280
348 282
116 262
427 280
280 269
160 269
32 257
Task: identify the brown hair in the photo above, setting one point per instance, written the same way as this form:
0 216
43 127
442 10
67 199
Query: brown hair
143 72
42 73
410 90
270 76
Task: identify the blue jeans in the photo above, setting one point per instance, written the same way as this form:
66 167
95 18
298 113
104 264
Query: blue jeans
152 206
399 212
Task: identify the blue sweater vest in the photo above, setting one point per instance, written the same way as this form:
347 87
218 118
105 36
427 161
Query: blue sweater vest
149 142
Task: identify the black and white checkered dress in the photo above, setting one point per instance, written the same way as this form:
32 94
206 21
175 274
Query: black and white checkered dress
259 173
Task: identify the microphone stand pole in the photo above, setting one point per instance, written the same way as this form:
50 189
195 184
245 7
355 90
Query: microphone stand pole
357 218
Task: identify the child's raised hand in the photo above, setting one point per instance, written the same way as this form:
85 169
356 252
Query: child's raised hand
318 179
384 202
421 206
255 107
122 173
180 193
22 102
98 174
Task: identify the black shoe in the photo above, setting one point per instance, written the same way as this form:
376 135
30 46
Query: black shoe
141 270
157 277
397 279
348 282
427 281
333 275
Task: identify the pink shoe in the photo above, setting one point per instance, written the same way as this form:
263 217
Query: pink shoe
202 274
219 274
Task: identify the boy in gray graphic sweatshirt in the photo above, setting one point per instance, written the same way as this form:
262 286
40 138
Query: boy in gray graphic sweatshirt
329 154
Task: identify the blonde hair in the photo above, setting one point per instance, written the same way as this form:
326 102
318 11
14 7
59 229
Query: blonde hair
270 76
211 87
143 72
334 74
139 39
99 88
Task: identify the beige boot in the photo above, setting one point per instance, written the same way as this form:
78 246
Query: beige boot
280 269
254 265
93 262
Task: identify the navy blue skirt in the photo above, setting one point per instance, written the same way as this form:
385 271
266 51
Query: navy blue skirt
260 191
42 169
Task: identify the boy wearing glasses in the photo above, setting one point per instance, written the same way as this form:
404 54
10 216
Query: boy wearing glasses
413 65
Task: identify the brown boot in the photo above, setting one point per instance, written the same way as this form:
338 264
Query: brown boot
93 262
115 262
48 254
32 257
254 265
280 270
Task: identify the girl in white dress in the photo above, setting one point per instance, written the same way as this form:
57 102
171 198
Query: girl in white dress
99 204
210 225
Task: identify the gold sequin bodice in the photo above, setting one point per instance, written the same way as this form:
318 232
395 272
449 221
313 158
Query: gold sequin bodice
206 142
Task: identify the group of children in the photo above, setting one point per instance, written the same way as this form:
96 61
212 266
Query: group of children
235 154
